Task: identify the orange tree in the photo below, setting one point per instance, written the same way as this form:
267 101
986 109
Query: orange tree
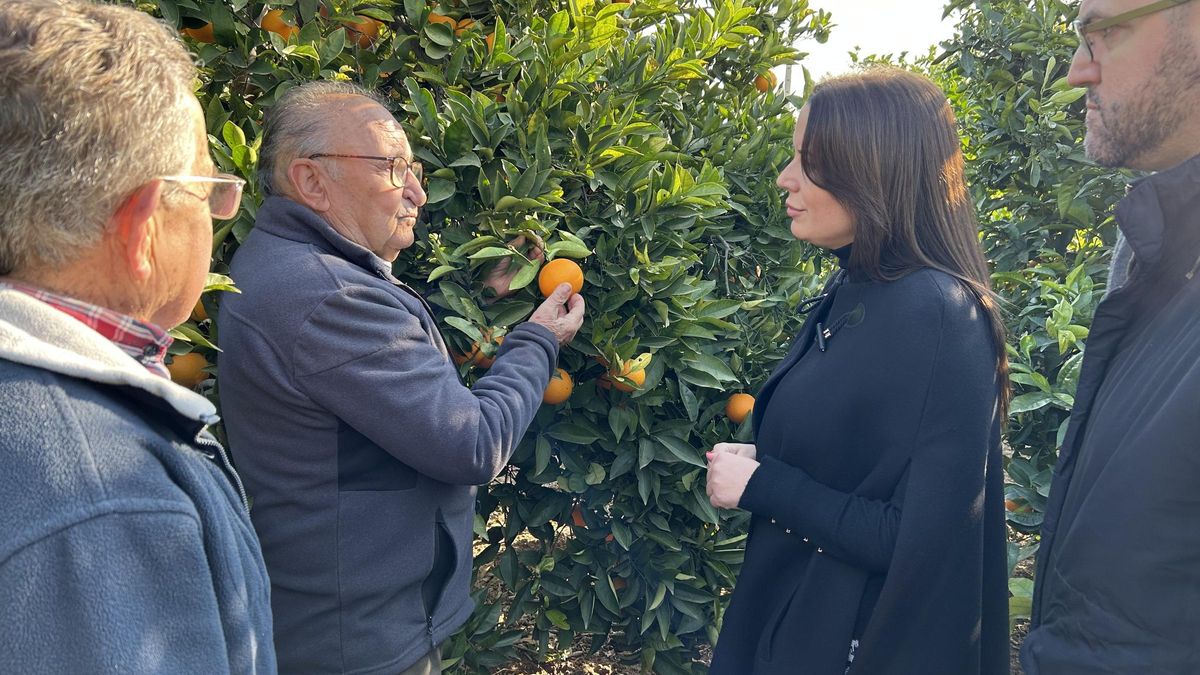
640 139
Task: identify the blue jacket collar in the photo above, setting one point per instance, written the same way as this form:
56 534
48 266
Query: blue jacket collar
285 218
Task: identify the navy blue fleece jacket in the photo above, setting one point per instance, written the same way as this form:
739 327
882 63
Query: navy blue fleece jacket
125 545
359 443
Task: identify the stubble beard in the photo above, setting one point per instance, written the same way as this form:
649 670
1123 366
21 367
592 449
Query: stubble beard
1132 132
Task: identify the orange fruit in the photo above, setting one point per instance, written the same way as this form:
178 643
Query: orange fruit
559 389
202 34
464 26
558 271
273 22
364 32
577 517
187 370
619 583
765 83
434 17
199 313
491 40
738 407
638 377
475 356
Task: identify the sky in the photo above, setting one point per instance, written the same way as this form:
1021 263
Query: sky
878 26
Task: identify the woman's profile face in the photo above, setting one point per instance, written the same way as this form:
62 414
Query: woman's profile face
816 216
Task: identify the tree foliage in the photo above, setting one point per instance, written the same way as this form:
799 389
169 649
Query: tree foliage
1045 212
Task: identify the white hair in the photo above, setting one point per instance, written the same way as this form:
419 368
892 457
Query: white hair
92 105
300 124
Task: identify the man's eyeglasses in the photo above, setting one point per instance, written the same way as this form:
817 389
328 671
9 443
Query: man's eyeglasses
1084 28
225 196
398 166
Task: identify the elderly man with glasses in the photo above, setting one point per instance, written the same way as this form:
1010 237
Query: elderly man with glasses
125 540
1118 571
359 442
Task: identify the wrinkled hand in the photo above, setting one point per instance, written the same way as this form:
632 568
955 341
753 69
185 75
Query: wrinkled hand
562 313
740 449
500 277
728 474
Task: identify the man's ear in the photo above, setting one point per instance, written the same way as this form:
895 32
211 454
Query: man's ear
308 184
134 230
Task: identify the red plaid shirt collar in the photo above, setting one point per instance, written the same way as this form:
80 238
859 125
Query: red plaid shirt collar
145 342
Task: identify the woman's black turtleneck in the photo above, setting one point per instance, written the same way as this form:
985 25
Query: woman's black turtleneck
878 504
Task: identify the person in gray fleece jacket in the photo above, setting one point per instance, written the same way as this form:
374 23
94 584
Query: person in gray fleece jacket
359 443
125 539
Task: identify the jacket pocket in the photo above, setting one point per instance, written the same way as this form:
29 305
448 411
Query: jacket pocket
775 628
445 562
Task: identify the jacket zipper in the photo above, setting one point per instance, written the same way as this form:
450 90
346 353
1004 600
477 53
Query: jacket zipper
225 464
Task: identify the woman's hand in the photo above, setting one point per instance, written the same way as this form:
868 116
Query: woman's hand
740 449
728 474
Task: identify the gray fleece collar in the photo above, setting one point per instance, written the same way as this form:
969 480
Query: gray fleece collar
35 334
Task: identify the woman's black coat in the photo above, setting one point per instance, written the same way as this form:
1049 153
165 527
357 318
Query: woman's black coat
878 508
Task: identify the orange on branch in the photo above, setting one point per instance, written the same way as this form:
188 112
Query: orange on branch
464 26
187 370
577 517
273 22
364 32
557 271
490 40
199 313
476 356
434 17
637 377
202 34
765 83
738 407
559 389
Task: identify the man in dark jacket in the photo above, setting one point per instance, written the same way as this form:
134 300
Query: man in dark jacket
125 541
1118 573
359 442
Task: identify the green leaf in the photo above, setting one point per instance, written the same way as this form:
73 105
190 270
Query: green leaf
219 282
1029 402
492 252
440 271
186 333
713 366
233 134
572 433
567 249
555 616
440 33
439 190
607 594
682 451
524 276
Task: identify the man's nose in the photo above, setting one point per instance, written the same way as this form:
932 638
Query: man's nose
1084 70
415 193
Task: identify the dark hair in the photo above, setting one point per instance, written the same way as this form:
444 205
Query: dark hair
884 143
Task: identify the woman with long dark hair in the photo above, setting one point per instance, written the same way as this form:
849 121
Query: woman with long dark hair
877 540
